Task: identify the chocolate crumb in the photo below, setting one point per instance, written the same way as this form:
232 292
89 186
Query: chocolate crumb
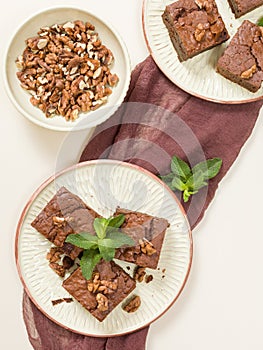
128 267
148 278
139 274
59 301
133 304
163 270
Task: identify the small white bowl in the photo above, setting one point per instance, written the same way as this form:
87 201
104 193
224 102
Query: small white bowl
109 37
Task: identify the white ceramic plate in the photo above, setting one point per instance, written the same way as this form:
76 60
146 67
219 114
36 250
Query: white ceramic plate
197 75
109 37
103 185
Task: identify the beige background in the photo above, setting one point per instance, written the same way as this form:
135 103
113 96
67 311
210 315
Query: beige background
222 305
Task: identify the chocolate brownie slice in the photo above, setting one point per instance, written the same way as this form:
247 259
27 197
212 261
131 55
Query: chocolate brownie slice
109 286
242 61
241 7
64 214
194 26
148 233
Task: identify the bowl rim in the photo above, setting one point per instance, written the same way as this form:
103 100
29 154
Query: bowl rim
70 127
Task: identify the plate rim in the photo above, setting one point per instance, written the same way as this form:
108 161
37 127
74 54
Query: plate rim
66 127
80 165
192 93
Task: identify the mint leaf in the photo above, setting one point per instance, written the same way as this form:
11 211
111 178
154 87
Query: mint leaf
167 179
88 261
188 180
116 221
196 181
210 168
180 168
79 241
117 239
100 226
101 246
178 184
89 237
106 252
260 22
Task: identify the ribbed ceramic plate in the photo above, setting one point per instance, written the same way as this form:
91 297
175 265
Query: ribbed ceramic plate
197 75
103 185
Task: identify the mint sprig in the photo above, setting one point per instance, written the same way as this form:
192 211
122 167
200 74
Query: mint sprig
101 246
190 181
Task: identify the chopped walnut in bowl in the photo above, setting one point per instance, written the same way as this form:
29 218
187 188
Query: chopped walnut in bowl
74 69
66 69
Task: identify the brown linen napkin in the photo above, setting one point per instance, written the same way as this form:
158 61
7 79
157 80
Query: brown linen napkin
192 129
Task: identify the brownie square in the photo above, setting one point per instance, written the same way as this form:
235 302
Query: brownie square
109 286
242 61
241 7
194 26
64 214
148 233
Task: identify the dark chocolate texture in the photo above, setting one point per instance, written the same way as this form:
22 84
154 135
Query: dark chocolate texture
242 61
241 7
65 214
144 229
194 26
106 273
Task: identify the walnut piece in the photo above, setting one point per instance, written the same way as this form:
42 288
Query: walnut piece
102 301
139 274
147 247
148 278
207 4
55 256
199 32
59 221
133 305
102 286
249 72
66 69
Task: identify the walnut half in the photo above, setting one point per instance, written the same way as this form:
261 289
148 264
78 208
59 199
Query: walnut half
249 72
147 247
102 301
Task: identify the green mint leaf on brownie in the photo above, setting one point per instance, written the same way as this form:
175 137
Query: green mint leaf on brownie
102 245
116 221
81 242
88 261
106 252
188 180
100 226
120 239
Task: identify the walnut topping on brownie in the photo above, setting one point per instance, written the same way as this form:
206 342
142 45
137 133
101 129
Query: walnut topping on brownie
242 61
104 286
92 295
194 26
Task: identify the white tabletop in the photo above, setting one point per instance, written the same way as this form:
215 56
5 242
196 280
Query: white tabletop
221 306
